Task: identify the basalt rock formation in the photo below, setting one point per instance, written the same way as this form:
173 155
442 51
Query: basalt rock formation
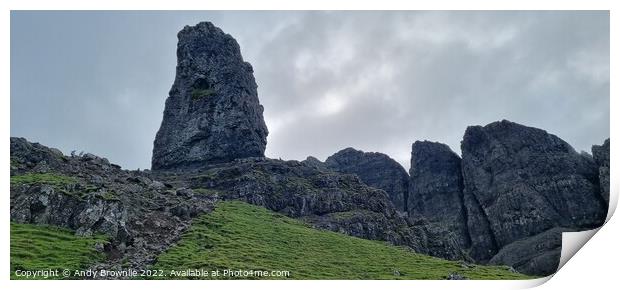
527 181
513 193
375 169
520 182
212 114
436 188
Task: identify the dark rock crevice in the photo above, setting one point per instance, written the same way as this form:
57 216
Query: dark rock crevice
484 245
464 216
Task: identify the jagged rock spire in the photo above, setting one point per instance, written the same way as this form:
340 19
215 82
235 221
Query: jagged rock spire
212 114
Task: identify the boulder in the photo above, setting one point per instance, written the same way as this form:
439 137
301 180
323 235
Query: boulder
212 114
375 169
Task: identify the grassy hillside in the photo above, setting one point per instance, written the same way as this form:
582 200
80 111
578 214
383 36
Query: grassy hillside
36 247
240 236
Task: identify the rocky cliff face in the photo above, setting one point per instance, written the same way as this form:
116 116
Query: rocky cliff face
375 169
436 188
510 197
521 181
601 157
212 113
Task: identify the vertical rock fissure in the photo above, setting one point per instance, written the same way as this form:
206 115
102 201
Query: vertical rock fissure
464 212
487 225
406 195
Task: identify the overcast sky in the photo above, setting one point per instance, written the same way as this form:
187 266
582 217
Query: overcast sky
376 81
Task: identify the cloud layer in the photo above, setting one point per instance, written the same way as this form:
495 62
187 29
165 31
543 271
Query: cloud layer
376 81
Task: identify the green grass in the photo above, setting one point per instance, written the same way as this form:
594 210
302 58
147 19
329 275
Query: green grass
240 236
202 93
55 180
38 247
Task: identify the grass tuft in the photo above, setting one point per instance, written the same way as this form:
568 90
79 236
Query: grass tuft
55 180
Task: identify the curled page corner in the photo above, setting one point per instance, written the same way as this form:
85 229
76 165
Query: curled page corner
572 242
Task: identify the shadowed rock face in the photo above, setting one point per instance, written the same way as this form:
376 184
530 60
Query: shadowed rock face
212 114
601 157
436 188
521 181
375 169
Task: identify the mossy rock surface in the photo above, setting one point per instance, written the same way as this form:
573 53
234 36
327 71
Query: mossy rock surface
198 94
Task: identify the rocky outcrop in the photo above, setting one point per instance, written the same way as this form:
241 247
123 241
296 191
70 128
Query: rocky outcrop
325 199
375 169
601 157
47 204
141 216
212 114
521 181
436 188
